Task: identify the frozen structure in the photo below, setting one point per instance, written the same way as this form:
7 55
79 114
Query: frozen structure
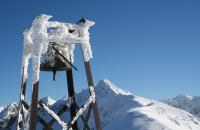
37 39
50 46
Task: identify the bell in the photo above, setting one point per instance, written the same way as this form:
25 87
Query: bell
54 61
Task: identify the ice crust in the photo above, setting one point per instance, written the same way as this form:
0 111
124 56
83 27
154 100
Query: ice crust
37 39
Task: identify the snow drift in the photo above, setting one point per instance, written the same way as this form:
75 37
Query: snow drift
121 110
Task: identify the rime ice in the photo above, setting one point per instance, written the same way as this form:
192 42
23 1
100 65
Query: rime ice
37 39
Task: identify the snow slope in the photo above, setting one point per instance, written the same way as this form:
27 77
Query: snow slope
121 110
188 103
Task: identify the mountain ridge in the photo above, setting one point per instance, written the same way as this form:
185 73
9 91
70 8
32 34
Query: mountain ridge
121 110
188 103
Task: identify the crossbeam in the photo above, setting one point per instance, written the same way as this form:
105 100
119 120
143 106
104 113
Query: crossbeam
39 118
60 112
54 115
79 113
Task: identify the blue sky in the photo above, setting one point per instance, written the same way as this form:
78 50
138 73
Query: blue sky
149 47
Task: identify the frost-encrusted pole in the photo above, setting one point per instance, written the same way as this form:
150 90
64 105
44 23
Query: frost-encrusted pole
39 34
21 119
87 55
40 44
94 105
71 94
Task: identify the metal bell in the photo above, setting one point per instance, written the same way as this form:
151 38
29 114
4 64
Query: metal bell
54 61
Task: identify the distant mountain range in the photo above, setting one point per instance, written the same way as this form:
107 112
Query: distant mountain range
185 102
121 110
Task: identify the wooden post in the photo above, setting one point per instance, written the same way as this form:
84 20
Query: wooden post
94 105
71 94
23 90
34 104
22 97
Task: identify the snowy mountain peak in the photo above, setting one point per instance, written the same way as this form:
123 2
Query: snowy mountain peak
8 115
9 109
48 100
111 88
184 97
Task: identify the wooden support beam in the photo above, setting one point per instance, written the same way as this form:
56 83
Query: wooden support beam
34 102
85 119
23 89
22 97
53 114
71 94
40 119
60 112
86 127
64 57
94 105
88 114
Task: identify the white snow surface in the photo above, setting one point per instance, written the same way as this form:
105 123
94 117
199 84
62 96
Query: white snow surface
188 103
121 110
